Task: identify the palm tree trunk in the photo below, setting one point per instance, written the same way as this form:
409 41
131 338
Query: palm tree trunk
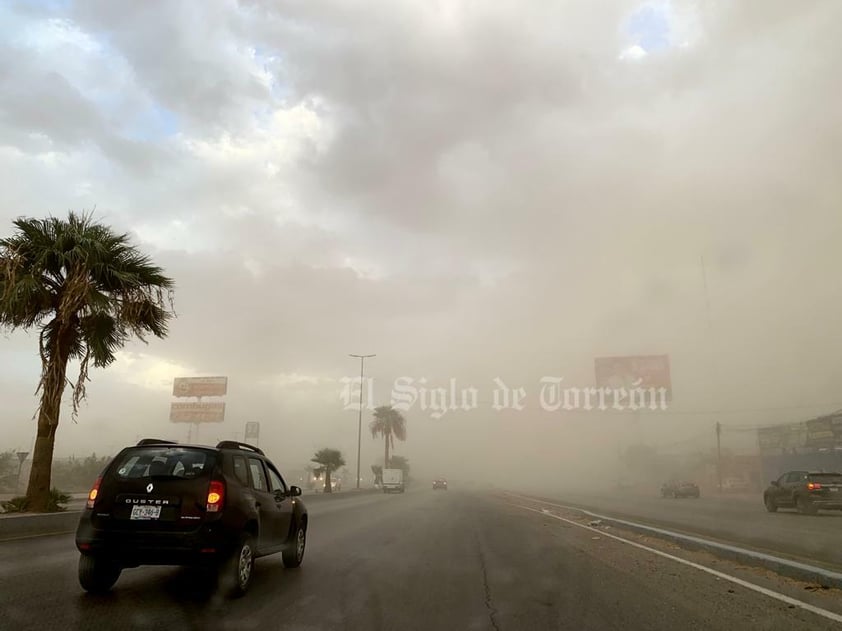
386 457
38 489
328 488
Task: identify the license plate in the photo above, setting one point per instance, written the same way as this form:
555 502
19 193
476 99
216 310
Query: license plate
146 512
834 489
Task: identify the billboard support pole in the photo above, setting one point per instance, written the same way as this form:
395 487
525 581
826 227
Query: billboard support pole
196 438
719 456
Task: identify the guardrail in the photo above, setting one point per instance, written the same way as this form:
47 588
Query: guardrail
826 577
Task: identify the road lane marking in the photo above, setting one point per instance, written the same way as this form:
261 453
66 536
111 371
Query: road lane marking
790 567
824 613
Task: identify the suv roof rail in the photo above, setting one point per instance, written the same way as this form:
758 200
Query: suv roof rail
233 444
155 441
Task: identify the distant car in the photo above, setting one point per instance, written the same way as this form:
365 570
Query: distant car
162 503
440 484
680 489
805 491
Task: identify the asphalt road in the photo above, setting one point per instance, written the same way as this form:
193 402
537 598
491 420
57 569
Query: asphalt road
815 538
422 560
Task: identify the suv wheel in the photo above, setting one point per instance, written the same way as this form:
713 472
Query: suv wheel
770 503
237 571
97 575
293 554
805 506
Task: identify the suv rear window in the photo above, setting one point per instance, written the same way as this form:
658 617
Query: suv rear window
826 478
172 462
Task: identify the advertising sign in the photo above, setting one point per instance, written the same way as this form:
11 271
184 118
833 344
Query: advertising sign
825 432
200 386
634 371
252 433
197 412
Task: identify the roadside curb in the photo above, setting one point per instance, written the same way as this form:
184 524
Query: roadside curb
786 567
28 525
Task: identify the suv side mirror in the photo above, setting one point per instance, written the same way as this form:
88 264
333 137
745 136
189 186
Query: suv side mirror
294 491
774 483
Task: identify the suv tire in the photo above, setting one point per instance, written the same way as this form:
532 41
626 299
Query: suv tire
293 554
97 575
236 572
770 504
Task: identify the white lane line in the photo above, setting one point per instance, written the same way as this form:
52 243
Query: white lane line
757 555
824 613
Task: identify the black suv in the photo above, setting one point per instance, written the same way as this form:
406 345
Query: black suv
805 491
162 503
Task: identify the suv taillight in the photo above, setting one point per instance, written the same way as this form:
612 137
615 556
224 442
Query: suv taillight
216 496
813 486
92 495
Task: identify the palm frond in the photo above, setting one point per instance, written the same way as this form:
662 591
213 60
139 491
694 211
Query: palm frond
91 286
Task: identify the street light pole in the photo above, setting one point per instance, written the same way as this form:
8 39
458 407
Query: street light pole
362 359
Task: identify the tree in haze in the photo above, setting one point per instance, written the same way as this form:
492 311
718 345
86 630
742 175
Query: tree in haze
87 291
377 470
329 460
390 424
399 462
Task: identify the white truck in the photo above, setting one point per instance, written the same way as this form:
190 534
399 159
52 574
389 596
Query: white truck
393 480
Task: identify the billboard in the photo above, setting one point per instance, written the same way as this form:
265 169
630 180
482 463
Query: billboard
197 412
634 371
200 386
252 432
782 438
825 432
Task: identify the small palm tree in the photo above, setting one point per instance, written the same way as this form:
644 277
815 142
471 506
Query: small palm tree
390 424
329 460
87 291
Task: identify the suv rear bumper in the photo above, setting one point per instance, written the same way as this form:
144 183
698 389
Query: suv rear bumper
206 544
827 504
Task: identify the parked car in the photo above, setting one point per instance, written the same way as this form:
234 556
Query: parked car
441 483
680 489
805 491
162 503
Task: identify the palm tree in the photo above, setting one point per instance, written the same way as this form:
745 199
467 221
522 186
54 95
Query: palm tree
390 424
329 460
87 291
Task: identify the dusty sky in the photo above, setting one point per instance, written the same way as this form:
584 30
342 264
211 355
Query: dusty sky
468 189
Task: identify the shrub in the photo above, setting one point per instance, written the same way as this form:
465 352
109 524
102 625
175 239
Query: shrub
55 505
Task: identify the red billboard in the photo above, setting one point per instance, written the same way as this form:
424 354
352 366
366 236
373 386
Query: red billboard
634 371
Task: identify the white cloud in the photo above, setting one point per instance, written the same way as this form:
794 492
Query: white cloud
147 371
632 53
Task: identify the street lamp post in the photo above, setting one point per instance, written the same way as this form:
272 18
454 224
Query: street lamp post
362 359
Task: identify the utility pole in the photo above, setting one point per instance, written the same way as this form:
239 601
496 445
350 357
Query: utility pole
362 359
719 455
707 294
